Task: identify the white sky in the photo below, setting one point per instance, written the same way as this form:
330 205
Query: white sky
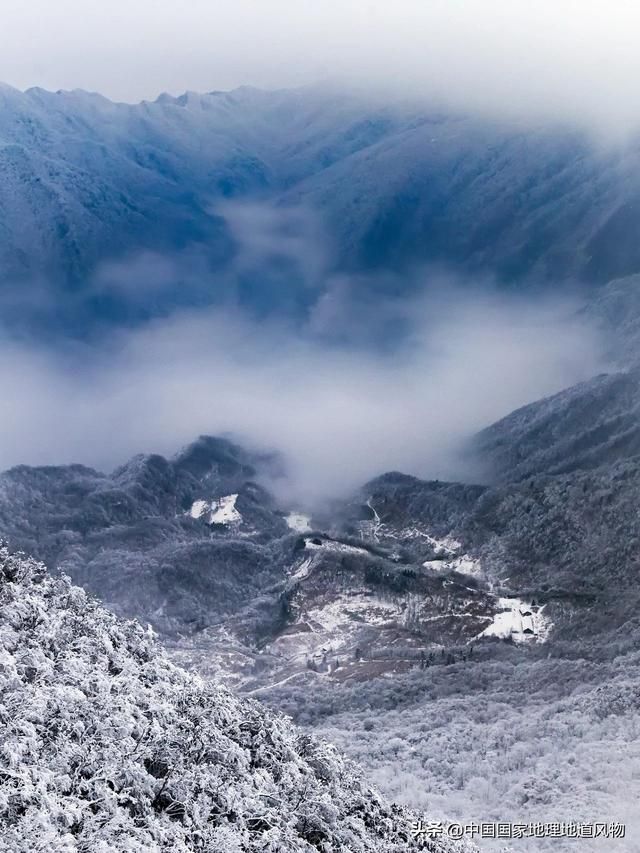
576 59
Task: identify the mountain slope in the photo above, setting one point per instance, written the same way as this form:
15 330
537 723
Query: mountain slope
591 424
137 527
86 183
108 746
85 179
246 588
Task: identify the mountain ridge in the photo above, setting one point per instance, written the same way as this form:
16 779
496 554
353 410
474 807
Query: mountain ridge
88 183
253 589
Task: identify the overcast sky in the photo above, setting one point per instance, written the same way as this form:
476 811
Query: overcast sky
575 59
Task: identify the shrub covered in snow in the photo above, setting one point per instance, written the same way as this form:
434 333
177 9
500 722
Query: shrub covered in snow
106 746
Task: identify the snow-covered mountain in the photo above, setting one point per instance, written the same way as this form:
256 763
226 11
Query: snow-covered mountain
84 179
195 546
86 182
454 600
511 607
108 746
402 574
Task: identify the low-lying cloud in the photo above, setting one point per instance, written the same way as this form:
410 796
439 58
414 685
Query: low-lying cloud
340 414
346 375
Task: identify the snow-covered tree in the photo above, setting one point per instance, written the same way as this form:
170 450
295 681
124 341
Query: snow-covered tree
106 746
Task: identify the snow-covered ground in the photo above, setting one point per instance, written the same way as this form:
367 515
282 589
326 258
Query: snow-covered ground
464 564
333 628
346 609
313 546
299 522
451 560
518 620
447 549
221 511
302 571
321 544
198 509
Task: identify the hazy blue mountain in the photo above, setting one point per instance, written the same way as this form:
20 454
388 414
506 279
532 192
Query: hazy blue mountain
85 179
86 182
516 202
615 309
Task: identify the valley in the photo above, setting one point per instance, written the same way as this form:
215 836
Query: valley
335 285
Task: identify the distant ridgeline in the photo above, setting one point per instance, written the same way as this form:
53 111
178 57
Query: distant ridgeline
114 211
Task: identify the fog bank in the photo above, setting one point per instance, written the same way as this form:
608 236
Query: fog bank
339 413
